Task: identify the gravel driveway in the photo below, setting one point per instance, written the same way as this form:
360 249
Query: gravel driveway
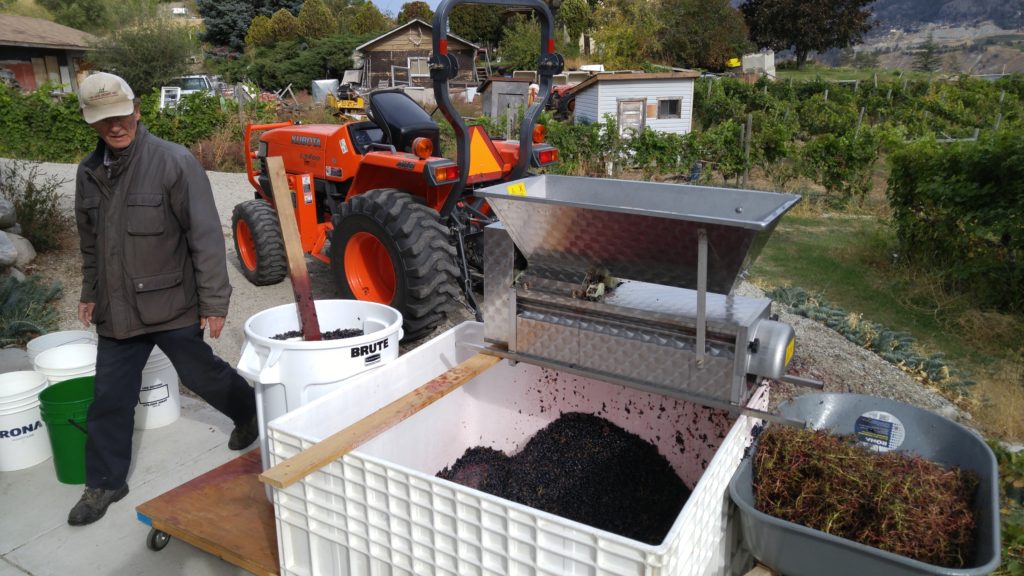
821 353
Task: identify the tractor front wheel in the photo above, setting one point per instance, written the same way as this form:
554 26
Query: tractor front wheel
258 242
388 248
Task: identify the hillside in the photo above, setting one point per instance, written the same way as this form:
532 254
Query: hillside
910 14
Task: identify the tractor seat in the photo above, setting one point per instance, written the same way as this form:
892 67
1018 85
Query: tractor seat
402 120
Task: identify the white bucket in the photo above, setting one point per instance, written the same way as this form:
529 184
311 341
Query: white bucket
23 439
20 388
66 362
290 373
159 398
54 339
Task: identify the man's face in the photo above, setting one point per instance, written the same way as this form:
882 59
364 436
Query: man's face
118 131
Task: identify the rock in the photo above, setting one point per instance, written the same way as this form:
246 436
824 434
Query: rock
16 274
8 217
13 359
16 229
26 252
8 251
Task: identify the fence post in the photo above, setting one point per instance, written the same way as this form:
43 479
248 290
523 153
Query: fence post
860 118
747 137
826 94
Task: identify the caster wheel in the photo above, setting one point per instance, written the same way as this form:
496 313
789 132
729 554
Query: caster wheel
157 540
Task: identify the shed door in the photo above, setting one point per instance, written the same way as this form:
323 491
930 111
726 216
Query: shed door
509 104
632 116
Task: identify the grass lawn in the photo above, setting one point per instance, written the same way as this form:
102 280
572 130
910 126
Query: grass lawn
848 259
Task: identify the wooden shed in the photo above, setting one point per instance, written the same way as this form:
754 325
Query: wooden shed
36 51
504 96
660 101
399 58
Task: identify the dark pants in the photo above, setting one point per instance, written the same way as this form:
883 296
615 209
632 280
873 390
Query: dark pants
119 364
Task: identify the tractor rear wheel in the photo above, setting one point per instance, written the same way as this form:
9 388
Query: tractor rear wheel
389 248
258 242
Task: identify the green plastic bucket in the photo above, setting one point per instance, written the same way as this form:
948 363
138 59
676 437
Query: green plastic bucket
64 407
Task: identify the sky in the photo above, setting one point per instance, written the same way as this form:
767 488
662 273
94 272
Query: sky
393 6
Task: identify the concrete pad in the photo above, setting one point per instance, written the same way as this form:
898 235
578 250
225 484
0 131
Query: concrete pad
13 360
8 569
116 544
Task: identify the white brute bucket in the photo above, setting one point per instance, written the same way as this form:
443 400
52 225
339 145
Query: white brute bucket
290 373
23 439
159 398
54 339
66 362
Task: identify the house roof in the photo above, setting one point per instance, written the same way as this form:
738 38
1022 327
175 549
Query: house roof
632 77
487 83
410 23
39 33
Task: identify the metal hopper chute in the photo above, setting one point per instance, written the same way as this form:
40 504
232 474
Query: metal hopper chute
632 282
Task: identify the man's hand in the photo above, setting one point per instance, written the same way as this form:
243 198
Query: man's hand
85 313
216 324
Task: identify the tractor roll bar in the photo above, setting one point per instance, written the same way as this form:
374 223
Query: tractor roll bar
445 66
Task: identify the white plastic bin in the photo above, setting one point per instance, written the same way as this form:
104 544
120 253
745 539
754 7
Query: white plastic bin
290 373
23 439
159 397
380 510
54 339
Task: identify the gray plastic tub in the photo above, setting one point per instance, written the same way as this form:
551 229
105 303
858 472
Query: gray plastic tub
795 550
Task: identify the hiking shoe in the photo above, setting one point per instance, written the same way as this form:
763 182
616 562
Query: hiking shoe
244 434
93 505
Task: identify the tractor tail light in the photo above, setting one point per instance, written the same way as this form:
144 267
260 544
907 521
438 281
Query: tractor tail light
549 156
443 174
539 133
423 148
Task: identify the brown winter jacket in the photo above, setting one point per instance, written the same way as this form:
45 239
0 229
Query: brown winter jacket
153 253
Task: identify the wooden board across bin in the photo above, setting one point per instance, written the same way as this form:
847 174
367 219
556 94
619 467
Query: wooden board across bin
224 512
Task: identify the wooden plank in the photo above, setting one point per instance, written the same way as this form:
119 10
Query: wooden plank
340 443
293 249
760 570
224 512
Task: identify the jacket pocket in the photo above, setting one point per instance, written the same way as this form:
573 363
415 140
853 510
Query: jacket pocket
91 204
145 214
159 298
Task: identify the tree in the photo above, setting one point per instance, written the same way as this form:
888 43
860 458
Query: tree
414 10
284 26
520 46
927 57
315 20
260 33
477 23
576 18
701 33
226 21
626 33
805 26
369 20
146 56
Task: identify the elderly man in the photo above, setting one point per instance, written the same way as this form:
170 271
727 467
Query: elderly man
153 274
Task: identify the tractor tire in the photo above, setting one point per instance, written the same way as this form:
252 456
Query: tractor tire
389 248
258 242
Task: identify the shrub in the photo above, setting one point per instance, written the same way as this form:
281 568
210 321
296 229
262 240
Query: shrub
25 310
37 201
958 208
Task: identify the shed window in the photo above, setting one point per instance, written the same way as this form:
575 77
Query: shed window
418 67
670 107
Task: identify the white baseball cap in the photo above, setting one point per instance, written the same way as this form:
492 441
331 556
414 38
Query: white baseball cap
103 95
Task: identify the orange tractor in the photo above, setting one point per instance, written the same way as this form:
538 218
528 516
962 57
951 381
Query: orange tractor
397 224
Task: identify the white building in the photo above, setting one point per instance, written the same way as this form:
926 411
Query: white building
660 101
